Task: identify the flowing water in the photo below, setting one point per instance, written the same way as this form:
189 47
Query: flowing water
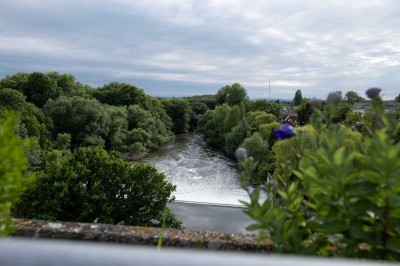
199 173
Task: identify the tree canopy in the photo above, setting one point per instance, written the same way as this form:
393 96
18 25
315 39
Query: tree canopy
92 185
298 98
232 94
121 94
352 97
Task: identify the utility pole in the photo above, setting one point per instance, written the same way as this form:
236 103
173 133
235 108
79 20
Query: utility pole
269 90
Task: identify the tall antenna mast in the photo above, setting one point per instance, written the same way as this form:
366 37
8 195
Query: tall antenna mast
269 89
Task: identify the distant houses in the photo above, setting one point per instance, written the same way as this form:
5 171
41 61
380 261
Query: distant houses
290 117
362 107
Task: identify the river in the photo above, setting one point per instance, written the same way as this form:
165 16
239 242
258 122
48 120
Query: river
200 174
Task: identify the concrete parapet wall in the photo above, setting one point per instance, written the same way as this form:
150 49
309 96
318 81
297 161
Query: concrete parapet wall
139 235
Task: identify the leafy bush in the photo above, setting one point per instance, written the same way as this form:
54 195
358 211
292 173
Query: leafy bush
91 185
236 136
344 201
258 118
13 168
179 110
233 94
267 130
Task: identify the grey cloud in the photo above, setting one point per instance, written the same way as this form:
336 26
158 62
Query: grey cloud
194 47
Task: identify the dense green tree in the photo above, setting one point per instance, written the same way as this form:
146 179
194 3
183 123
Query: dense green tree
12 99
63 141
157 110
154 131
69 86
257 118
121 94
342 110
303 113
33 122
14 176
265 106
117 128
267 132
298 98
198 108
235 137
233 117
288 152
41 88
92 185
352 97
179 111
232 94
17 82
86 120
209 100
256 147
397 99
211 125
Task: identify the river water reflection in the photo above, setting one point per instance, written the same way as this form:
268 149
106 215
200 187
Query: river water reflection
199 173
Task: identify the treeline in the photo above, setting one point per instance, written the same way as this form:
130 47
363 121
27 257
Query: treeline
238 122
77 135
61 113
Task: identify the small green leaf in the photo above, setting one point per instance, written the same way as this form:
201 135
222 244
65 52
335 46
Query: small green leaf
339 156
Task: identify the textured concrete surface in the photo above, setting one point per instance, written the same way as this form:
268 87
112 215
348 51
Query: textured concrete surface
140 235
209 217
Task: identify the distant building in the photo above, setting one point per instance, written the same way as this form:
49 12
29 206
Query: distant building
362 107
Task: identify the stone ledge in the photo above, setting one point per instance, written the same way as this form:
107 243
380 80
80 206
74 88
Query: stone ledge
139 235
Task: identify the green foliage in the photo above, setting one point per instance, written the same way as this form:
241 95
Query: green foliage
121 94
233 94
17 82
236 136
267 132
233 117
264 106
256 147
33 122
211 126
40 88
342 110
257 118
208 100
344 200
298 98
86 120
352 97
13 168
179 111
352 118
91 185
116 127
397 99
197 108
297 147
146 128
303 113
63 141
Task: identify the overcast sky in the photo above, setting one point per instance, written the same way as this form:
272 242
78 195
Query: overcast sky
183 48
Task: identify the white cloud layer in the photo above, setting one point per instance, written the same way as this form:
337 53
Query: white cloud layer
182 47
